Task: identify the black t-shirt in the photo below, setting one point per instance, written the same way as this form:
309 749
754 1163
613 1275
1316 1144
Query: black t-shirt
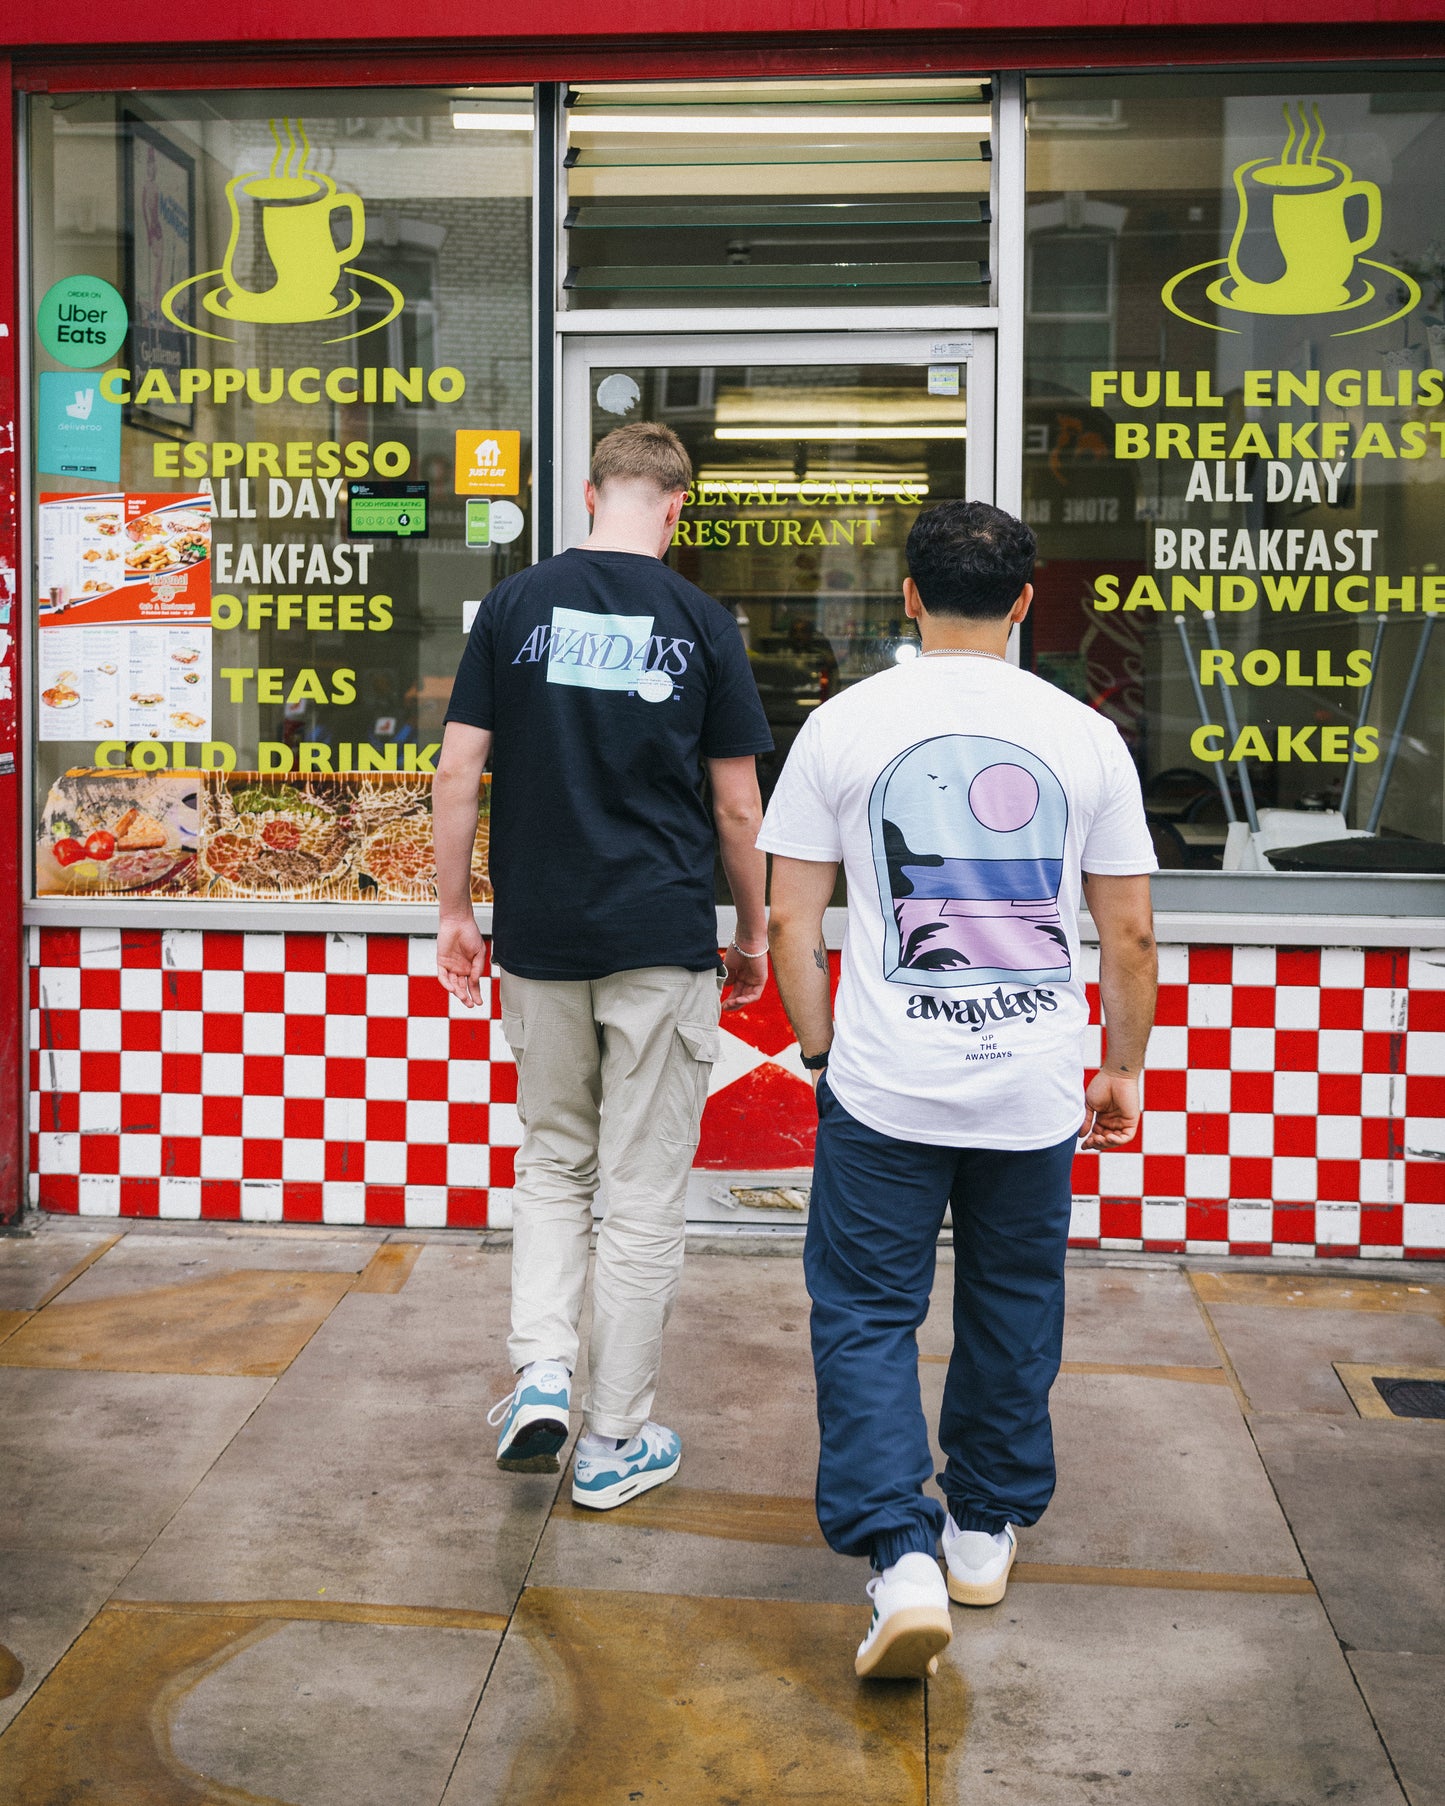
606 680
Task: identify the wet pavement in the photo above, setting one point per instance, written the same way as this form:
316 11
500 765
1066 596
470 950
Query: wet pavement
254 1550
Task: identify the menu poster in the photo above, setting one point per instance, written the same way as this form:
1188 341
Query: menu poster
125 683
117 557
125 617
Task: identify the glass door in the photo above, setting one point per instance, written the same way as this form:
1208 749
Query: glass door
813 455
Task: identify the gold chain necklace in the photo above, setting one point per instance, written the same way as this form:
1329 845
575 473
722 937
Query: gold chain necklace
963 652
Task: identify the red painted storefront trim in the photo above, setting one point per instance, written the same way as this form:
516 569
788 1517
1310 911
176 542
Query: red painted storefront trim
304 62
65 23
12 1065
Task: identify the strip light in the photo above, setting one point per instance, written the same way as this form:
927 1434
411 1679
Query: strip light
489 116
814 125
805 430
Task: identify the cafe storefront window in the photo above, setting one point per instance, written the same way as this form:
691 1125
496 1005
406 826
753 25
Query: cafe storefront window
1234 453
282 412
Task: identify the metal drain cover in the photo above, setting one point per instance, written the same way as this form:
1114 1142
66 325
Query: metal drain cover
1412 1398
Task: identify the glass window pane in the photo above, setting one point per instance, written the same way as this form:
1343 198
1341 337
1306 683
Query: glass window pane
807 480
1233 460
774 193
293 447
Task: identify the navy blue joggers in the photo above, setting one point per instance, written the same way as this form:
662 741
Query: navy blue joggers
876 1209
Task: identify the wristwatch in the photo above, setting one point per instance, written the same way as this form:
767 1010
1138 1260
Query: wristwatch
814 1062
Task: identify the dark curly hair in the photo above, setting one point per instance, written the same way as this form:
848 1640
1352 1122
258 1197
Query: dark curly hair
969 558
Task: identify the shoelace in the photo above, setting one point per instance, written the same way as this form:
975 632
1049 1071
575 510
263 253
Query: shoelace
503 1404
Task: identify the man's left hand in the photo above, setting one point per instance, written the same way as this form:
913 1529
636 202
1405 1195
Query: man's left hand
746 978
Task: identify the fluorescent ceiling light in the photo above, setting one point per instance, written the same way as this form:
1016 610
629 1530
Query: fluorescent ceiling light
492 115
821 124
838 404
806 430
748 480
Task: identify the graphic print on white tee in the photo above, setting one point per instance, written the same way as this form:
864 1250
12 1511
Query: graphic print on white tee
968 838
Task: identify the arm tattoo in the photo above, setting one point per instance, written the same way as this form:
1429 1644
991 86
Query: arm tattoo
820 956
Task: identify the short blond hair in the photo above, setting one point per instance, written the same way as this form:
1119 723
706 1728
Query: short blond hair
644 451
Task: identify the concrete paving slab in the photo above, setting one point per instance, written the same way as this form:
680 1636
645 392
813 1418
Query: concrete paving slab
1404 1693
46 1601
1140 1315
31 1267
737 1375
680 1540
336 1714
1321 1292
181 1708
1363 1500
98 1462
371 1473
243 1322
1129 1315
607 1697
140 1262
93 1465
1284 1359
1064 1695
1152 1474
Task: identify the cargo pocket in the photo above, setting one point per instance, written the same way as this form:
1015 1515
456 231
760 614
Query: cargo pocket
697 1048
514 1029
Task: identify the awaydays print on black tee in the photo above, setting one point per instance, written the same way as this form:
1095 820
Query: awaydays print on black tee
607 681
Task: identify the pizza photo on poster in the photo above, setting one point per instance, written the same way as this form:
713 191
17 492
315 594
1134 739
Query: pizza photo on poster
348 837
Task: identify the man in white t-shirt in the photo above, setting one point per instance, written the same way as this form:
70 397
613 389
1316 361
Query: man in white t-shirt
968 802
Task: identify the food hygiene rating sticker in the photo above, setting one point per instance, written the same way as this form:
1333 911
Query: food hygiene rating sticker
387 510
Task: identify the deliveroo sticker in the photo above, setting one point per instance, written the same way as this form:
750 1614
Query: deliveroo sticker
79 430
82 321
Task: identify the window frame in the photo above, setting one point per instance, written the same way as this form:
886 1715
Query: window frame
1244 908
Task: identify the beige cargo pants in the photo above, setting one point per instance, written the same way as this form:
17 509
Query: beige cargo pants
612 1077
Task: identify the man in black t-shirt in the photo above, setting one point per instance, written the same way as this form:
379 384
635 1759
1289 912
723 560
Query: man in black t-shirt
605 688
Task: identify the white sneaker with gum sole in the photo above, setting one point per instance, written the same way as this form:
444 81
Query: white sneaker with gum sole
978 1564
910 1621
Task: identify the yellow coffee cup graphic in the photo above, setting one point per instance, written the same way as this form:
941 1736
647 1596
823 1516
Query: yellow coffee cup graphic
1304 260
283 265
296 234
1305 222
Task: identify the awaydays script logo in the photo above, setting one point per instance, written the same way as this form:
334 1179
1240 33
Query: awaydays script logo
606 652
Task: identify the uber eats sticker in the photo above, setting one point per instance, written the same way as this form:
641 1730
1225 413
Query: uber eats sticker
81 321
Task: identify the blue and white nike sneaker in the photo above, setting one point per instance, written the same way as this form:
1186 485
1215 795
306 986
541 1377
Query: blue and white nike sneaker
601 1481
533 1417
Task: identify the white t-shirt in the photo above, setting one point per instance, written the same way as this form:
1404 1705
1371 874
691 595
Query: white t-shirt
963 796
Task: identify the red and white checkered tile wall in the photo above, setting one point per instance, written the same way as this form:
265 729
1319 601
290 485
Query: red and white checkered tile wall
1295 1098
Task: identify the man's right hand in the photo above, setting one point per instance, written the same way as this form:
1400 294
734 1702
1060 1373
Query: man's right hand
1112 1101
461 958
